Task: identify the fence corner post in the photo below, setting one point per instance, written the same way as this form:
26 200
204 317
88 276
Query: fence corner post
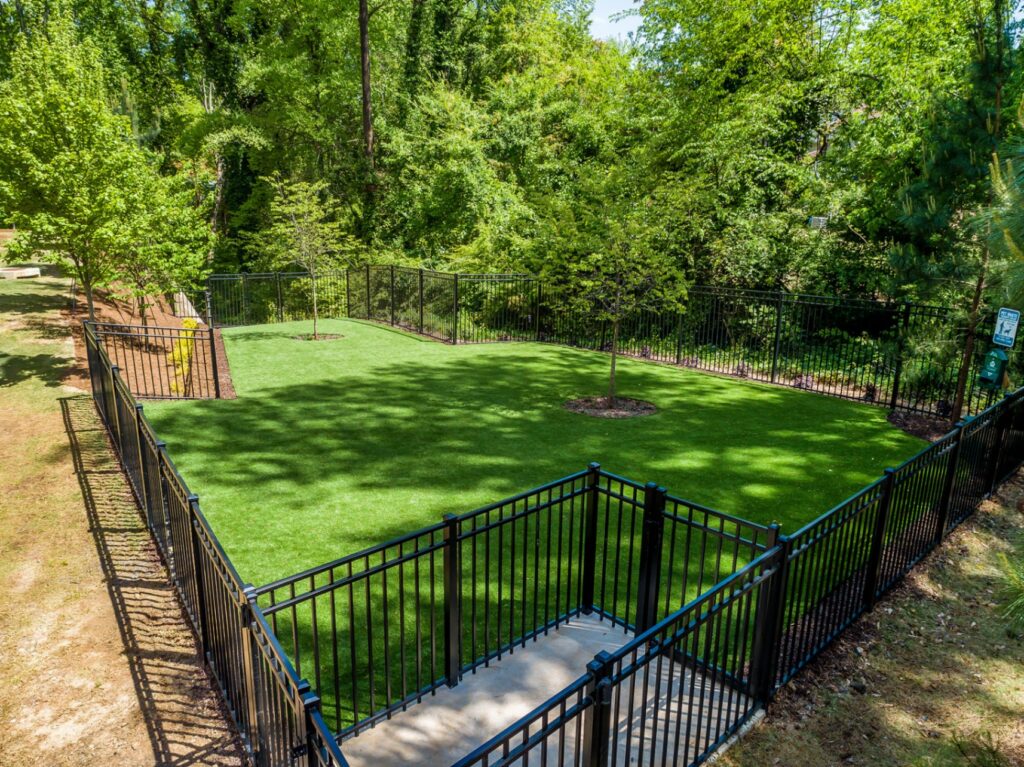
764 651
213 350
246 610
652 532
452 602
588 574
597 723
874 564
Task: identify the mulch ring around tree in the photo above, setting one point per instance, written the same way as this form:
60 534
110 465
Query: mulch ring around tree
624 407
319 337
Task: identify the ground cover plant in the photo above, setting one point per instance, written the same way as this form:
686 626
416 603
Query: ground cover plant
332 448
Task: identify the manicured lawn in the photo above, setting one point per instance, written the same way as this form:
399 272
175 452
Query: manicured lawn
336 445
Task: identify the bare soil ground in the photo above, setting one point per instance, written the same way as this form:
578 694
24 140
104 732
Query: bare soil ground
97 667
934 676
624 407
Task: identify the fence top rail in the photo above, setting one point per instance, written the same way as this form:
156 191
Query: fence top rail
887 304
119 329
738 521
380 548
512 499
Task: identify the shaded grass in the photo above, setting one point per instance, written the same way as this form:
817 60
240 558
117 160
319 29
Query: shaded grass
330 448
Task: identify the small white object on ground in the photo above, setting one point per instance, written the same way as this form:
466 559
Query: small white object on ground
18 272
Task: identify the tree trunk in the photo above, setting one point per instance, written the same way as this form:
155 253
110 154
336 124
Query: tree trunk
969 341
87 287
364 55
615 355
413 70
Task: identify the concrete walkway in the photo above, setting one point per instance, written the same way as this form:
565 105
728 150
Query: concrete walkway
451 724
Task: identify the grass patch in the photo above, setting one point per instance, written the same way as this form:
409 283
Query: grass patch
334 447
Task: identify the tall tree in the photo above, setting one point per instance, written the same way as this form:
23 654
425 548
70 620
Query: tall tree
70 171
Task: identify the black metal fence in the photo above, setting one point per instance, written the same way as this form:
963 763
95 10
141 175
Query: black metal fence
722 611
899 355
277 713
379 629
163 362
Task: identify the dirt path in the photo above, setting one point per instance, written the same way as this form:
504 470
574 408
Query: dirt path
97 666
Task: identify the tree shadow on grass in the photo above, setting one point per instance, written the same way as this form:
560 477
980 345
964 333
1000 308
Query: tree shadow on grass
185 719
354 457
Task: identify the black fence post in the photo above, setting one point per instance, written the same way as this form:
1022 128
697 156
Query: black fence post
245 300
197 571
348 294
588 573
368 315
452 602
421 300
143 471
247 608
874 564
948 482
536 321
280 297
1002 423
455 310
900 348
764 653
597 721
392 295
310 705
777 344
213 347
651 535
679 338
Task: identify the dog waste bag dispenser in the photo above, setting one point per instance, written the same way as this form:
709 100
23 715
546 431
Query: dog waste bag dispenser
994 369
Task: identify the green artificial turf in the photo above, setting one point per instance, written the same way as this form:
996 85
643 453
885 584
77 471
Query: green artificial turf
333 446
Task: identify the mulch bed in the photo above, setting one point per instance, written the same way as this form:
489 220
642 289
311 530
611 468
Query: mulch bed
598 407
926 427
227 389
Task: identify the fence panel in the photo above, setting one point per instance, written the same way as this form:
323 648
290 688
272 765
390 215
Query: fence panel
679 690
162 362
497 307
368 629
914 512
826 576
278 718
520 568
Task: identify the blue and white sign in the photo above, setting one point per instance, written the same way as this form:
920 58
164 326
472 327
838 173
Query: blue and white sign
1006 327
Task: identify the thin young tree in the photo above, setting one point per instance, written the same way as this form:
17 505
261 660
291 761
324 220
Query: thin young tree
628 268
306 231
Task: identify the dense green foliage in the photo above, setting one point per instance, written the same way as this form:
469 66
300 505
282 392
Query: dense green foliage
826 145
338 445
81 191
